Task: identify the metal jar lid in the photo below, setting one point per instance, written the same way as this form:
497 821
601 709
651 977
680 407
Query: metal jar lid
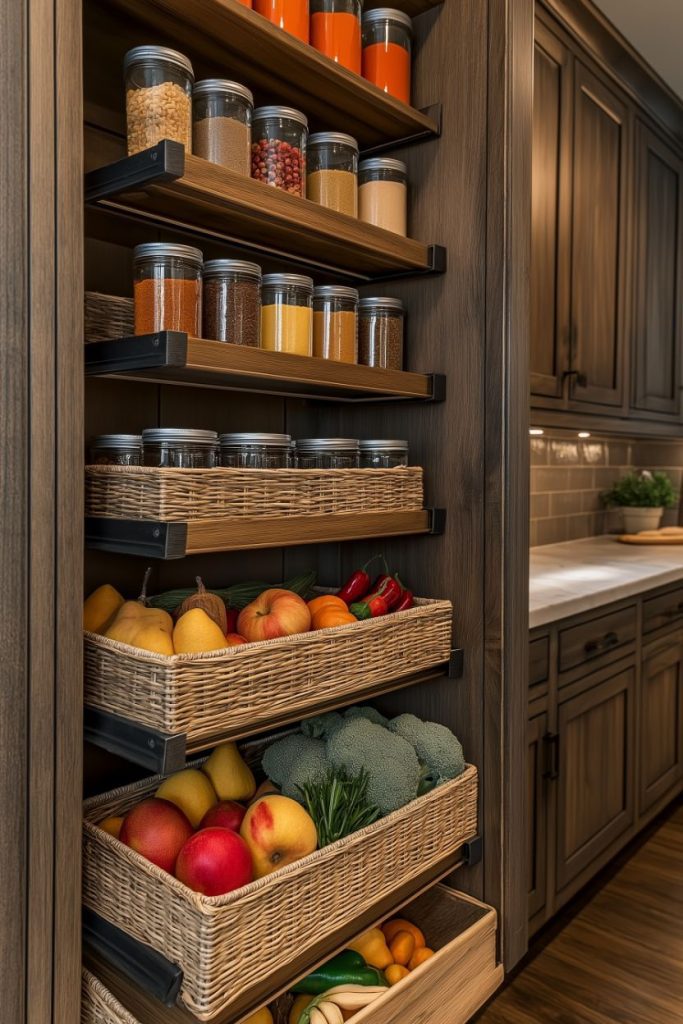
117 441
367 305
387 14
150 54
322 444
274 440
289 113
223 87
385 444
332 138
167 250
335 291
382 163
178 435
288 280
215 268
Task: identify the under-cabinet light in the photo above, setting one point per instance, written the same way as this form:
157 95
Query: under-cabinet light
535 431
584 433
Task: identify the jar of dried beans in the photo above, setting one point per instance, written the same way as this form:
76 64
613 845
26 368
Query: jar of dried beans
278 149
380 332
335 31
387 36
158 97
179 448
255 451
287 314
116 450
231 301
222 123
335 323
332 172
290 15
327 453
384 454
383 194
167 288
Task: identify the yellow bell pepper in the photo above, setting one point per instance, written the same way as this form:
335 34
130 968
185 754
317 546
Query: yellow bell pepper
372 946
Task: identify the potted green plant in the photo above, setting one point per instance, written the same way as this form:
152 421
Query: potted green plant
642 497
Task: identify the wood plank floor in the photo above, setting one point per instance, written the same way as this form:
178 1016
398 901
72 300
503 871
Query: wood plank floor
620 959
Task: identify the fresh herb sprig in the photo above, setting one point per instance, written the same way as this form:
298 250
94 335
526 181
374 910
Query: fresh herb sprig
338 804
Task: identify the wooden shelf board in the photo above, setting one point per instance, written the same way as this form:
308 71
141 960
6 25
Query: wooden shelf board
282 69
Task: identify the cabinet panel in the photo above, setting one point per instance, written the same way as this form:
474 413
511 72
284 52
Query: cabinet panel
664 610
539 661
661 721
537 818
595 786
597 638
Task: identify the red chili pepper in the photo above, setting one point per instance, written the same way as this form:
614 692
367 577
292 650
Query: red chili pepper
358 584
375 604
406 601
390 588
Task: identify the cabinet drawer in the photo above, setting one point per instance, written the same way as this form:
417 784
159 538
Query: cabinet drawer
662 610
539 660
596 638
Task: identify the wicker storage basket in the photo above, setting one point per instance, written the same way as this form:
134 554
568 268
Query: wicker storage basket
203 695
179 495
108 316
228 944
98 1005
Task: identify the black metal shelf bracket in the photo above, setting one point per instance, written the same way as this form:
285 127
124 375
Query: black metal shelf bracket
434 111
160 752
437 521
456 664
163 162
140 352
147 968
473 851
136 537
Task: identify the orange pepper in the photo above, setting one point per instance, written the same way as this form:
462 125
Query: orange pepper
399 924
395 973
327 601
402 947
328 617
419 956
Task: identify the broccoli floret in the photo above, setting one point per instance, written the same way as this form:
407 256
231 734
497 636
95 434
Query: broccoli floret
293 761
322 726
390 761
366 711
435 745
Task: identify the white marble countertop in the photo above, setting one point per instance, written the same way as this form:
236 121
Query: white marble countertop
577 575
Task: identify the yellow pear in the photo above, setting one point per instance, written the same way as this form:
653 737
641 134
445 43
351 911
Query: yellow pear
100 607
191 791
155 639
137 625
230 776
196 633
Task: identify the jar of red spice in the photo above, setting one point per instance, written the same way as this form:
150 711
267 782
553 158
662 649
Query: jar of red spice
278 150
387 36
167 288
290 15
335 31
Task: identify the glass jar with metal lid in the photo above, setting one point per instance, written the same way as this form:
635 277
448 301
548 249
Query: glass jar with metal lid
167 288
380 332
335 323
116 450
179 448
158 97
387 40
231 302
221 130
383 454
327 453
383 194
335 31
255 451
287 314
332 172
278 148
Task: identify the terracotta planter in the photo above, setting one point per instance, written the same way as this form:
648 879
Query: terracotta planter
637 519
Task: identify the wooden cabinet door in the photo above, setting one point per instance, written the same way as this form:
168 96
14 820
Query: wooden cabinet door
596 771
661 721
550 211
537 815
598 247
658 340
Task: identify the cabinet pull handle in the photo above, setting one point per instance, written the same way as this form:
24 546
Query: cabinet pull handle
551 744
673 613
610 639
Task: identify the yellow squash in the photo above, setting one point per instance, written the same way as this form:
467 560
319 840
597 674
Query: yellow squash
135 624
230 776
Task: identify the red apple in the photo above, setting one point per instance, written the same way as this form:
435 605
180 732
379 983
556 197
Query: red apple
226 814
157 830
275 613
234 640
214 861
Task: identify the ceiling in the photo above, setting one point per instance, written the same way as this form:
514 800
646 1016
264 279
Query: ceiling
655 29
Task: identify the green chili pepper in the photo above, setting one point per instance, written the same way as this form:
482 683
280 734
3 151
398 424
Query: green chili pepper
347 968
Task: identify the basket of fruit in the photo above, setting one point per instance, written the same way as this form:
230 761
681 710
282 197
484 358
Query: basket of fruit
220 876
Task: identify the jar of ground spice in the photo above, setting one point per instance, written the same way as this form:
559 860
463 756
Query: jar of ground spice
179 448
335 31
290 15
158 97
287 314
116 450
383 194
167 288
222 123
255 451
380 332
387 36
335 323
278 149
332 172
231 302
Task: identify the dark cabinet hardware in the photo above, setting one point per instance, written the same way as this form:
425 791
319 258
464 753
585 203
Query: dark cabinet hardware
610 639
673 613
551 746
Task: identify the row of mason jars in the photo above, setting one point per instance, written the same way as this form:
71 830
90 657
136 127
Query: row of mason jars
216 120
178 448
231 301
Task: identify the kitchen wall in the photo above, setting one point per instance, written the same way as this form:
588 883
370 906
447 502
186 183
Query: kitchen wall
569 473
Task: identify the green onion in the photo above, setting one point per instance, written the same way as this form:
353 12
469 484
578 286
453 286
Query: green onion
239 595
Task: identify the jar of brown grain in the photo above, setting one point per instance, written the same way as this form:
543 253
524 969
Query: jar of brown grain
332 171
167 288
158 97
380 332
222 123
231 302
335 323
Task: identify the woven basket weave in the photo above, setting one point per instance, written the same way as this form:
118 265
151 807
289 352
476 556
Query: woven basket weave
98 1005
179 495
227 944
107 316
202 695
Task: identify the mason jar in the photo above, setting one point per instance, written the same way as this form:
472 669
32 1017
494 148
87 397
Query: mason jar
387 42
278 148
327 453
167 288
336 31
335 323
383 194
287 314
380 332
221 130
289 15
158 97
383 454
116 450
332 172
231 302
255 451
179 448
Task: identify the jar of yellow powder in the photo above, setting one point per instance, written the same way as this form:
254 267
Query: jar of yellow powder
332 172
335 323
287 314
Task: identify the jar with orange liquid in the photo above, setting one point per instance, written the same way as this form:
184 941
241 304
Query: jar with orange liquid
387 36
335 31
290 15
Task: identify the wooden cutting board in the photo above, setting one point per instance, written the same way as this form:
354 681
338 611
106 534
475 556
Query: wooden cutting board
667 535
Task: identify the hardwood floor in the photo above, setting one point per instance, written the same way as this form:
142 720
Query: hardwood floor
620 959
